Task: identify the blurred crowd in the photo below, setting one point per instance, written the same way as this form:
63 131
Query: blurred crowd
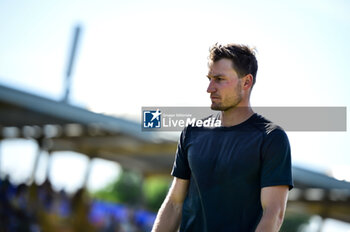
38 208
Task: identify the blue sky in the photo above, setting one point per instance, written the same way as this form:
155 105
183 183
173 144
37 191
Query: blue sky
148 53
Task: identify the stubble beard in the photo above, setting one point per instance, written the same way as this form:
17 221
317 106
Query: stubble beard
233 102
222 107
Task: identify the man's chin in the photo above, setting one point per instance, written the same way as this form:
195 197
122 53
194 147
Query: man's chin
220 107
215 107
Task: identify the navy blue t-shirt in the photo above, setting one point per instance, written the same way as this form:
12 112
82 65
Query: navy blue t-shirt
227 167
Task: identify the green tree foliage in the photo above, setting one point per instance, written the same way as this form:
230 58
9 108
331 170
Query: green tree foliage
155 190
293 222
127 188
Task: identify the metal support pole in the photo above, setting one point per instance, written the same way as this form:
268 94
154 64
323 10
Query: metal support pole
1 143
87 173
36 161
321 225
48 166
0 158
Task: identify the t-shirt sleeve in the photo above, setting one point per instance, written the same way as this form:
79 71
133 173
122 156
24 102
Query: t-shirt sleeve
181 167
276 160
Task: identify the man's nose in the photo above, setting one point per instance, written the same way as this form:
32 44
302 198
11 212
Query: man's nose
211 88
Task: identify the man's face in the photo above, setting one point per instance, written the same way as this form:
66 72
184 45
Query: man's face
225 86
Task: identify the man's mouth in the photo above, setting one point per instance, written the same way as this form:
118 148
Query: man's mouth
214 97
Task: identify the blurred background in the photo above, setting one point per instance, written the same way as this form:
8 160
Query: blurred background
75 74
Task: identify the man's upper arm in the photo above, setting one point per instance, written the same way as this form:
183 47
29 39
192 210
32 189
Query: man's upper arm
181 171
178 190
276 167
274 197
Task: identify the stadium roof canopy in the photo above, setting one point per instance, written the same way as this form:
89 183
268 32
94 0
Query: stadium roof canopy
59 126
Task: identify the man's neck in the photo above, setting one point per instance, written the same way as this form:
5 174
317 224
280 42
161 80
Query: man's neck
235 116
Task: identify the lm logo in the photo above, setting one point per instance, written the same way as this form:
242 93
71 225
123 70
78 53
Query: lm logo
151 118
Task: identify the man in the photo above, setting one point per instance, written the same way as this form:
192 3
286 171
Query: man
235 177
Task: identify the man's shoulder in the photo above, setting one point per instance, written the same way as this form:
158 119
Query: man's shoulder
266 126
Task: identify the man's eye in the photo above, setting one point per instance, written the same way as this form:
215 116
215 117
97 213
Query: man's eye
215 79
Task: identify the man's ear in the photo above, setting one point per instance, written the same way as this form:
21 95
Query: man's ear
247 81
